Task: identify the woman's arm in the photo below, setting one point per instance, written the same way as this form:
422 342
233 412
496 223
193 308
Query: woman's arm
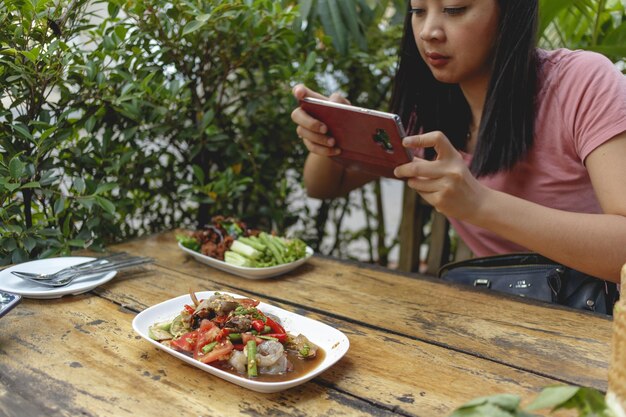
591 243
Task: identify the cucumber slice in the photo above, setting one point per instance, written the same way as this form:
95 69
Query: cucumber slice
177 327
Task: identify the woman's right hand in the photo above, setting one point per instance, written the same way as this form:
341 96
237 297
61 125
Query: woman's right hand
312 131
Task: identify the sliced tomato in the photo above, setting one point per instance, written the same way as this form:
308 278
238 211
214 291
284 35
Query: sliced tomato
219 352
187 342
207 333
206 325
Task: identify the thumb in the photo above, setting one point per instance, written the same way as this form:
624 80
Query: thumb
301 91
435 139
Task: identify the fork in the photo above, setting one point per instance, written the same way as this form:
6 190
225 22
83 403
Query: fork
67 279
105 260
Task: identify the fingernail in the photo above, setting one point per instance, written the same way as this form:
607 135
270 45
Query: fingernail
323 129
330 142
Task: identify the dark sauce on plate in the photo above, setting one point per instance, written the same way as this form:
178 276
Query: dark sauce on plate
301 367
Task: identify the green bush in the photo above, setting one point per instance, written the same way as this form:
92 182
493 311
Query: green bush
161 115
46 205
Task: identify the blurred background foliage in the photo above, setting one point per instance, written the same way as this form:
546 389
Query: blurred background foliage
122 118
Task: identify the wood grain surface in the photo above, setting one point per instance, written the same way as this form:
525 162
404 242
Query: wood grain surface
418 347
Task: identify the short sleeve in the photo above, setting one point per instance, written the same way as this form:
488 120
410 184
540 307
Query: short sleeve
593 100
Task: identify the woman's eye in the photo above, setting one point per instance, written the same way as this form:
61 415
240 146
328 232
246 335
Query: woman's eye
416 11
454 10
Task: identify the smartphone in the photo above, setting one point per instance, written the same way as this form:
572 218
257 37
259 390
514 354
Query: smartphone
8 301
369 140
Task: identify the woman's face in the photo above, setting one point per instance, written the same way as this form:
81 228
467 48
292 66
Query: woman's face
456 37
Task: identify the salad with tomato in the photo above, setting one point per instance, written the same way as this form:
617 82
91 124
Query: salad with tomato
234 335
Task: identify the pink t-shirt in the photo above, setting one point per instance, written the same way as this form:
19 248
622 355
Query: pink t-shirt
582 104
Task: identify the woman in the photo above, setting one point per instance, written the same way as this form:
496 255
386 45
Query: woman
529 145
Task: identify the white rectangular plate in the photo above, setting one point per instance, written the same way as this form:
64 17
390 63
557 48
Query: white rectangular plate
334 343
250 273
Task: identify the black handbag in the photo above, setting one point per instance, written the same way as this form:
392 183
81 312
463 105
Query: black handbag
534 276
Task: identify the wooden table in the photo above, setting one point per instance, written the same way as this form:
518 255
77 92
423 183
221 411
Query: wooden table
419 347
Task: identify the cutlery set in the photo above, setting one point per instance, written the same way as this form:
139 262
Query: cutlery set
89 269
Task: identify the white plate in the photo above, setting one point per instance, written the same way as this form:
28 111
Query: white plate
334 343
251 273
28 289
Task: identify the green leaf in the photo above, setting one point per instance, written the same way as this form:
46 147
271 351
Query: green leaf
31 55
107 205
23 131
77 243
305 8
333 25
59 205
203 17
16 168
351 17
9 244
192 27
49 253
90 123
79 185
105 187
551 397
86 202
11 186
67 224
198 173
29 243
32 184
19 255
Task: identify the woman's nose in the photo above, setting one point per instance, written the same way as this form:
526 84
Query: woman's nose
431 30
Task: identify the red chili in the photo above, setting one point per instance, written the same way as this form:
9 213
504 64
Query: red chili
258 325
189 309
276 328
238 346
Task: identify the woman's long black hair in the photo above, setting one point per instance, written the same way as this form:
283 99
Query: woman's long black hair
507 125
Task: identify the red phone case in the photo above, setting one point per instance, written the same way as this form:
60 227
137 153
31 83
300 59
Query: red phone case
369 140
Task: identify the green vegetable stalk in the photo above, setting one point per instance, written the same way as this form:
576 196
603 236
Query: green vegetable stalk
251 350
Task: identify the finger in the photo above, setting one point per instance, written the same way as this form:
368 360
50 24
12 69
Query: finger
425 185
435 139
338 98
306 121
301 91
420 168
320 149
316 138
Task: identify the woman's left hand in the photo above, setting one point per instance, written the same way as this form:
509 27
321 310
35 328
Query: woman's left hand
445 183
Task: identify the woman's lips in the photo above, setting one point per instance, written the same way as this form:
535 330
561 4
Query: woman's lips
436 60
